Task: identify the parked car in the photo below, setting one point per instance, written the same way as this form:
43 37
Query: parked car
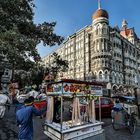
106 107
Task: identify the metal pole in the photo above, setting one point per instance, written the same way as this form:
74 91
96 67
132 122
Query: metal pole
99 108
62 108
61 112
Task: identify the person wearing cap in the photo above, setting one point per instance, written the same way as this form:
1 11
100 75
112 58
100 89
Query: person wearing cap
24 117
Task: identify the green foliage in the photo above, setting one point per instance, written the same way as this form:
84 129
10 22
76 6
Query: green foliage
56 66
37 74
19 35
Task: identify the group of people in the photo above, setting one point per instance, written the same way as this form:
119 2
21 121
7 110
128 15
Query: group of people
25 108
25 112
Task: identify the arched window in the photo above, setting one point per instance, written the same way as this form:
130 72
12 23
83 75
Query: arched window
104 29
103 63
97 30
106 63
117 79
98 45
95 76
121 79
95 73
100 75
102 45
106 75
105 46
97 63
113 77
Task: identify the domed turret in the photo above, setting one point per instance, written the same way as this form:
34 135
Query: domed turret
100 13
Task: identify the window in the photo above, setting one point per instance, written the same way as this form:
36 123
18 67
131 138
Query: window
104 29
97 30
102 44
113 77
86 59
98 46
106 75
117 78
106 63
86 40
86 48
100 75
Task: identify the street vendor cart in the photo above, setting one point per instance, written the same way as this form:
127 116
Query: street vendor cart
124 113
80 125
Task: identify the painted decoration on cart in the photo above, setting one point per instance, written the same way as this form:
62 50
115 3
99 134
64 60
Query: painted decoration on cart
54 88
97 90
68 88
75 88
72 88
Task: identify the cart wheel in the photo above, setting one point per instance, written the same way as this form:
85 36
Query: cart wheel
132 125
115 125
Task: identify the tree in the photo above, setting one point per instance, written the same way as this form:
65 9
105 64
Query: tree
19 35
33 76
36 74
56 66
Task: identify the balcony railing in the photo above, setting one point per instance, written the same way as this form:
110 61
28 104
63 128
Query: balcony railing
101 54
126 55
127 63
118 58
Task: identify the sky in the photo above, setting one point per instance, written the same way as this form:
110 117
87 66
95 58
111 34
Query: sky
72 15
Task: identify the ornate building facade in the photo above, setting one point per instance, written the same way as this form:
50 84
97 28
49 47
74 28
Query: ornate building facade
102 53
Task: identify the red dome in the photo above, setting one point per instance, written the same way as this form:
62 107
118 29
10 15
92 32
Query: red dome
100 13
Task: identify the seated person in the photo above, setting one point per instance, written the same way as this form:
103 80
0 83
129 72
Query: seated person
118 105
121 110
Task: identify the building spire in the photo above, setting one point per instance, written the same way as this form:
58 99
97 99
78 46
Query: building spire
99 4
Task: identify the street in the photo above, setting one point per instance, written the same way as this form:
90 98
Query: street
122 134
9 130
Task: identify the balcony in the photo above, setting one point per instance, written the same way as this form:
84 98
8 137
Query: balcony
118 50
126 55
101 54
118 58
127 63
132 57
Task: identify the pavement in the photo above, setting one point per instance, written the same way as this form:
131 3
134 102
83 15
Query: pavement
9 130
121 134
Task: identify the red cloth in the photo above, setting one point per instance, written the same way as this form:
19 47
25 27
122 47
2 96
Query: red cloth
40 104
